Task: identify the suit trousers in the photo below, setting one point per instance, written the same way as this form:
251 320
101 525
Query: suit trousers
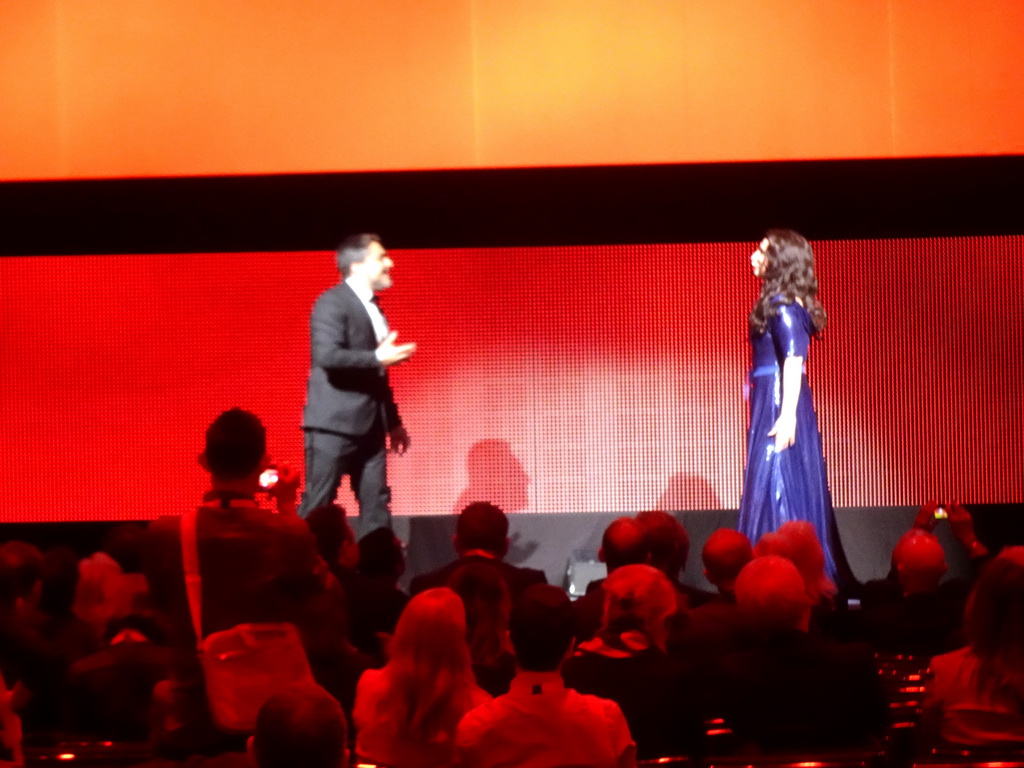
331 456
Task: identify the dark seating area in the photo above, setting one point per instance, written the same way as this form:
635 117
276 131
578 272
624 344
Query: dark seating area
754 675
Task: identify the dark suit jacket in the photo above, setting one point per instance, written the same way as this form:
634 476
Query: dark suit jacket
796 691
658 696
347 387
517 579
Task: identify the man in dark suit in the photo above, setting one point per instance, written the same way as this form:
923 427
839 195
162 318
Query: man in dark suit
792 690
350 413
481 536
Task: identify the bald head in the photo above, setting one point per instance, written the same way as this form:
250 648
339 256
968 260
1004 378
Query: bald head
725 553
770 592
302 725
624 542
920 563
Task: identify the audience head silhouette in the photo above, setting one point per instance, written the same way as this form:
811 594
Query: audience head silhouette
770 591
482 526
20 569
301 726
236 446
641 598
724 554
381 555
541 628
333 534
920 562
625 542
667 540
797 542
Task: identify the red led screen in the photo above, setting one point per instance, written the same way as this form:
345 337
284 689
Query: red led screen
587 379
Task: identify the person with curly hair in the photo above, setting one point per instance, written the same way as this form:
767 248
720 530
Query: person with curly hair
785 476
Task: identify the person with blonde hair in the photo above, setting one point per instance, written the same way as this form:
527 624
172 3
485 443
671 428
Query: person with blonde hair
626 661
406 713
976 696
798 542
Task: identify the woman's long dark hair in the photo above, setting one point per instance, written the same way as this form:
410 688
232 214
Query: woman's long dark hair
994 623
788 276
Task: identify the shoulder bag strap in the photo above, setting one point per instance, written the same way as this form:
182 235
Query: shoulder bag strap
190 565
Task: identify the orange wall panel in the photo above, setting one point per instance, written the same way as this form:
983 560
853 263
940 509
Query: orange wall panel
196 87
958 77
669 81
30 141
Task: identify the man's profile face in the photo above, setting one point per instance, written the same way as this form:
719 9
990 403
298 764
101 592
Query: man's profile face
375 269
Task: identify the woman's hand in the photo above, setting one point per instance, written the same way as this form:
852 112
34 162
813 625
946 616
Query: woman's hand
784 432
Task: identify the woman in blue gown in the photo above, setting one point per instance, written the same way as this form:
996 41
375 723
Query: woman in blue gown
785 476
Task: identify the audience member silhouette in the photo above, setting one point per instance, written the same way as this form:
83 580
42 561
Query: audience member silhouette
797 541
975 698
627 662
625 542
669 545
301 727
717 627
488 603
70 635
111 691
793 690
923 618
541 722
29 663
256 566
124 545
406 713
481 536
380 601
373 604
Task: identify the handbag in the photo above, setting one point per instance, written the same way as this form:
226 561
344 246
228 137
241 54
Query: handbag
245 665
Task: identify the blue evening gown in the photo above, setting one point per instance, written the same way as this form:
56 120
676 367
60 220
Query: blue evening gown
790 484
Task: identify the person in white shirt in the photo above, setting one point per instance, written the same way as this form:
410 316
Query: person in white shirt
540 723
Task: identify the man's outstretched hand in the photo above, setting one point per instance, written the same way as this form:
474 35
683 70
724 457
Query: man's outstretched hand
389 353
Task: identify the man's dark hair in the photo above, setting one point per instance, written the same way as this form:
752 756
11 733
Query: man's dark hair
352 250
236 441
301 726
20 566
625 542
482 525
540 628
124 544
330 529
380 554
668 541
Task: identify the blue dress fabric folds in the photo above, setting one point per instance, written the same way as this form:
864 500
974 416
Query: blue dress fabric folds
779 486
